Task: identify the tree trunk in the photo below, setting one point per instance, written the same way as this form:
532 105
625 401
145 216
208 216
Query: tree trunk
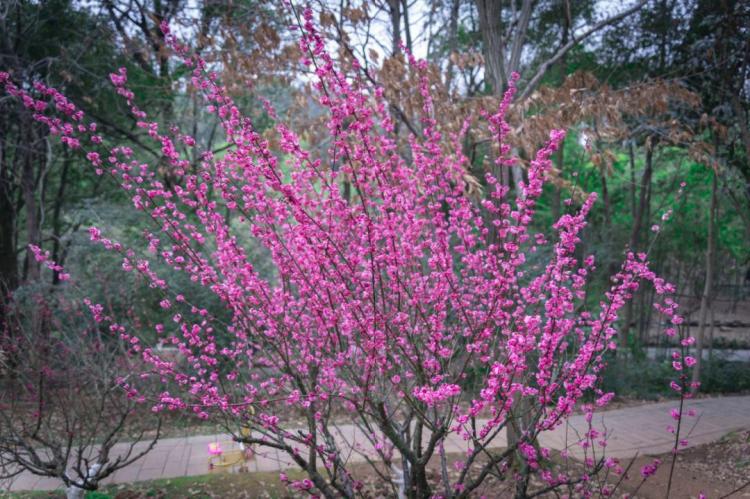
28 187
711 336
645 310
407 27
8 260
631 153
491 27
643 199
56 220
420 488
562 68
394 7
635 234
707 286
606 200
556 203
74 492
452 42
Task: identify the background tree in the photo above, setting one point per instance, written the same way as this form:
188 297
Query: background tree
65 414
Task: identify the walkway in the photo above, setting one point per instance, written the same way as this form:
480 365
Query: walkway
632 430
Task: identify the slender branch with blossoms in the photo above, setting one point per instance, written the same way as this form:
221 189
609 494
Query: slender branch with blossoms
402 310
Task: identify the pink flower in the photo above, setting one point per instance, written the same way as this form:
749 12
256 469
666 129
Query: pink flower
118 79
605 399
650 469
94 233
689 341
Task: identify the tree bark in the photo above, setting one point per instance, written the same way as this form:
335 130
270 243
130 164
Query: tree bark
394 7
635 234
407 27
57 220
28 187
562 67
491 27
606 200
452 42
643 198
8 260
556 203
707 286
631 154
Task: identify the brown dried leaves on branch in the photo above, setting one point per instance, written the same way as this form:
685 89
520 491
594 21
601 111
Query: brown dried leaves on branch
659 111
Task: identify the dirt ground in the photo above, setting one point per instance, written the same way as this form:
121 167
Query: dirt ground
720 469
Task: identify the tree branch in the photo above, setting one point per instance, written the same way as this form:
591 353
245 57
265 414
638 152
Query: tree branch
529 88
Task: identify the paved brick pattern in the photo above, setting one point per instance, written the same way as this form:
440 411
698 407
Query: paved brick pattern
633 430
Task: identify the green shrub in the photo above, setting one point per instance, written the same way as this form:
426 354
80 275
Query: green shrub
649 379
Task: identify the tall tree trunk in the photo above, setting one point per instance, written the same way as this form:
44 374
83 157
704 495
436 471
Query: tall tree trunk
452 42
556 203
394 11
707 286
643 198
8 260
645 310
631 154
394 7
711 336
491 27
606 200
56 220
496 75
562 67
28 187
741 119
603 175
635 234
407 27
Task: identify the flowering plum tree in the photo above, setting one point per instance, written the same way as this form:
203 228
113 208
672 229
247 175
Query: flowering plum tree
396 304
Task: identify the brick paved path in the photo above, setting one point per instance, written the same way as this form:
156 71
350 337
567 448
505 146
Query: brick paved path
632 430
